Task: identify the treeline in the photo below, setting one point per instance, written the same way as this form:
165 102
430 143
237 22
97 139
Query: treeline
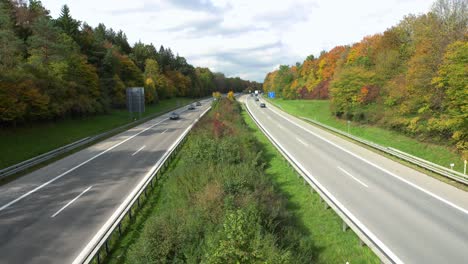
411 78
54 68
218 205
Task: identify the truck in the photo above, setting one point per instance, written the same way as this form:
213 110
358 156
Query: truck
256 92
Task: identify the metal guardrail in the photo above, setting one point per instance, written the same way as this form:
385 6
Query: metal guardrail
24 165
385 255
100 240
454 175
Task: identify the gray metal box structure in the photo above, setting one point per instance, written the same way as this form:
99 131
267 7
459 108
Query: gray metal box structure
136 99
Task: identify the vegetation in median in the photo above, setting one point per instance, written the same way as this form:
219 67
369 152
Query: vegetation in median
218 205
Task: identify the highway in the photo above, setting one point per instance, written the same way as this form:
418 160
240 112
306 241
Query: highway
414 217
50 215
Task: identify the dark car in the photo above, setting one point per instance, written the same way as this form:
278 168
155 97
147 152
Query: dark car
198 104
174 116
262 105
191 107
256 99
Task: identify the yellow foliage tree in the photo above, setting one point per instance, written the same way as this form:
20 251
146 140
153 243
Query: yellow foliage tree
231 96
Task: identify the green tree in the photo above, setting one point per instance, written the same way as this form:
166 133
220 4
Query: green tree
141 53
11 45
69 25
346 88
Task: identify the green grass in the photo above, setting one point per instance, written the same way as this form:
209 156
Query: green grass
323 225
25 142
319 110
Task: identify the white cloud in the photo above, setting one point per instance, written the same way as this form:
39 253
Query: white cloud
244 38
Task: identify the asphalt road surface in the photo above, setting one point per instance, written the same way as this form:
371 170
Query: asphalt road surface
49 215
417 218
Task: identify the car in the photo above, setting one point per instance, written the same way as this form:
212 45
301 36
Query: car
262 105
256 99
198 104
191 107
174 116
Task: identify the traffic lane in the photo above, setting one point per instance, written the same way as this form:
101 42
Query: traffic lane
351 160
457 201
28 182
115 156
441 227
446 191
59 245
111 168
92 160
373 172
59 239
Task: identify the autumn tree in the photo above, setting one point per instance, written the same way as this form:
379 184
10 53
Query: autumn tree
453 82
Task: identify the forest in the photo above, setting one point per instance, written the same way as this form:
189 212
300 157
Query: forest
412 78
57 68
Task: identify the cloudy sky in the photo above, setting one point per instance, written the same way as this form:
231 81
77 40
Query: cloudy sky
245 38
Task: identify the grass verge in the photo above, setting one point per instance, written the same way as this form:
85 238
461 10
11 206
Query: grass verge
319 110
322 225
26 142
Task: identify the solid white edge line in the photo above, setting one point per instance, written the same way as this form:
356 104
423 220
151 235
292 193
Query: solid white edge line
70 202
361 226
350 175
83 253
139 150
76 167
465 211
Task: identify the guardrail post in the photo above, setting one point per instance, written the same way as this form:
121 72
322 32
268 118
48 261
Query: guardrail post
120 229
344 226
98 258
107 247
464 167
361 243
130 213
138 201
326 206
312 190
